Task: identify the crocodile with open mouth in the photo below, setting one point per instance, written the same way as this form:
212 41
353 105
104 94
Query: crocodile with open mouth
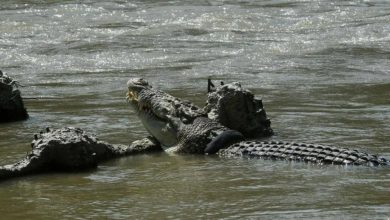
182 127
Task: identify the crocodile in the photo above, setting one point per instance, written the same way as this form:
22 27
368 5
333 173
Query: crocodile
11 102
71 149
230 125
182 127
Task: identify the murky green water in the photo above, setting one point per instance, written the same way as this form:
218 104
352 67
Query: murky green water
322 68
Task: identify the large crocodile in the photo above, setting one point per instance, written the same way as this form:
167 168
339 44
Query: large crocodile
182 127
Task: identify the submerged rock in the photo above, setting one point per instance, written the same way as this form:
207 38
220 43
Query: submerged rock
71 149
11 103
238 109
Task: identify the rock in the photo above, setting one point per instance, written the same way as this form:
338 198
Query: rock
71 149
238 109
11 103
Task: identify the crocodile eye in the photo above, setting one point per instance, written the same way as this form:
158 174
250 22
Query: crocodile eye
142 82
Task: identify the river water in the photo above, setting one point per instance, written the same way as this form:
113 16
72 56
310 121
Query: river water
322 69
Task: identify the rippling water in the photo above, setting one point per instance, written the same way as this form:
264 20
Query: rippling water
321 67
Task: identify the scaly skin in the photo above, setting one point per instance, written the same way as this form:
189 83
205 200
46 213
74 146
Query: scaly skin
195 133
192 138
315 153
161 114
71 149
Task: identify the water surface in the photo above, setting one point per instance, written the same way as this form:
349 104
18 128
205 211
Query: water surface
321 68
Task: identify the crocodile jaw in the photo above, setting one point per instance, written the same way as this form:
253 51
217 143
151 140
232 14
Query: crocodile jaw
155 118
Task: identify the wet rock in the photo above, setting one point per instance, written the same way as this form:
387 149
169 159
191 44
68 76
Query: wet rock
11 103
238 109
71 149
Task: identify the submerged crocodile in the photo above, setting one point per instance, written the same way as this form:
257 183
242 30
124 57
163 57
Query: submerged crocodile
182 127
11 103
69 150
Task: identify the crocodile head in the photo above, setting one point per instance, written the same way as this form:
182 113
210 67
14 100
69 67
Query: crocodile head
159 112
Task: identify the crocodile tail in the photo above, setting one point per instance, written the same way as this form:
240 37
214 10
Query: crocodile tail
316 153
